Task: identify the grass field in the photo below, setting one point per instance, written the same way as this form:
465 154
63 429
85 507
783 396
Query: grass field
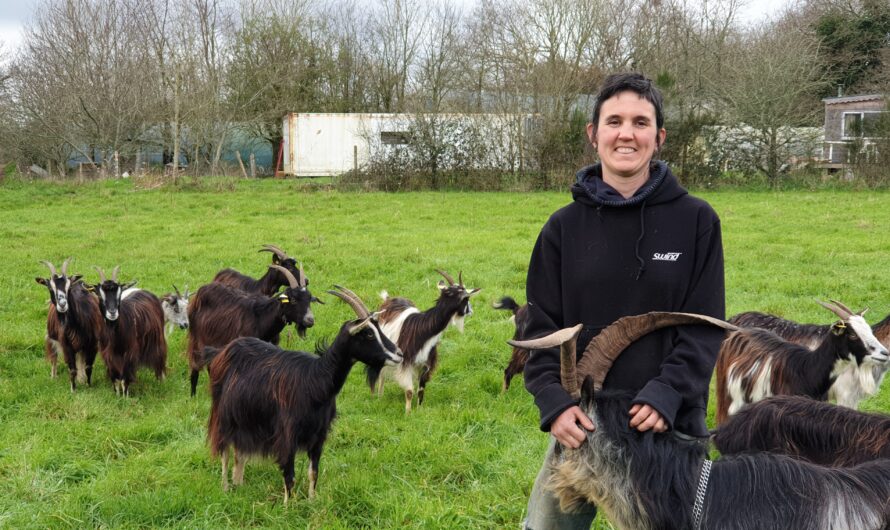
465 459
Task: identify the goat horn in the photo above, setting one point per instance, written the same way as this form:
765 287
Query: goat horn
101 273
287 274
352 299
282 255
603 349
565 339
177 290
52 269
460 278
303 280
838 309
446 276
114 273
65 267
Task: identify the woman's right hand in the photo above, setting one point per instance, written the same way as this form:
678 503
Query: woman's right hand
565 428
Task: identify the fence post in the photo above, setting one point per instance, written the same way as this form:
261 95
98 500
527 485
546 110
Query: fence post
252 166
117 165
241 163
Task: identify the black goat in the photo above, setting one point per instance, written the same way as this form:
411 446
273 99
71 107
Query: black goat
755 363
519 356
648 480
73 324
269 282
134 331
815 431
853 383
418 333
272 402
219 314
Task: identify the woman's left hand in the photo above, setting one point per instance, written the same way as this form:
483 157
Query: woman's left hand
644 417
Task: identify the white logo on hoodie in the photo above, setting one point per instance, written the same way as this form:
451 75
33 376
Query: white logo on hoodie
666 256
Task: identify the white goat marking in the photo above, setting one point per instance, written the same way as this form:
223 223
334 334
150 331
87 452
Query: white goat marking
81 363
873 346
393 328
129 292
760 386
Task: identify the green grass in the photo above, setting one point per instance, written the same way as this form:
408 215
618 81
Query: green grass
465 459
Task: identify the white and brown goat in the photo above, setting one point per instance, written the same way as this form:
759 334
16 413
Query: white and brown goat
219 314
854 383
270 402
755 363
268 283
134 331
418 333
73 324
648 480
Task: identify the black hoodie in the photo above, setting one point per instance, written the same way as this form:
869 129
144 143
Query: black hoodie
603 257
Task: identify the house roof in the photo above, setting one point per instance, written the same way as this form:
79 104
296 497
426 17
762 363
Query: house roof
852 99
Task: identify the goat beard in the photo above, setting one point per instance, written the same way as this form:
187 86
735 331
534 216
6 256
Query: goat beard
373 374
301 331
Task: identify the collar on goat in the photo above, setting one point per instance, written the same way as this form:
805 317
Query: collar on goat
698 506
603 349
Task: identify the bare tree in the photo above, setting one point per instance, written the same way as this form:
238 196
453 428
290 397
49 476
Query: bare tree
395 36
770 83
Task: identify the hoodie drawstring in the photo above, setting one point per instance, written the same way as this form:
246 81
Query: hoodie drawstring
642 268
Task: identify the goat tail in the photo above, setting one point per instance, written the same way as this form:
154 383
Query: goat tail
206 356
506 303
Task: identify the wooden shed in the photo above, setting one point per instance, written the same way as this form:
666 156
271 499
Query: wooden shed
850 123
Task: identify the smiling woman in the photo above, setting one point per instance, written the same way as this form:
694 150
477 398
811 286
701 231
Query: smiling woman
634 241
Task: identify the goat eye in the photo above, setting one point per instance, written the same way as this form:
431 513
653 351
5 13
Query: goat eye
853 336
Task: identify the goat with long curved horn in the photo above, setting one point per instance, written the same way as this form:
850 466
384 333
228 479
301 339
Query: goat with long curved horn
602 350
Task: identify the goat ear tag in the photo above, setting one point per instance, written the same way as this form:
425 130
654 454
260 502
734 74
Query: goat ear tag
284 299
838 329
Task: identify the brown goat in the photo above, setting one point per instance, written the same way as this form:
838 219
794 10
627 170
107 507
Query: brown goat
219 314
267 284
73 324
519 356
134 331
819 432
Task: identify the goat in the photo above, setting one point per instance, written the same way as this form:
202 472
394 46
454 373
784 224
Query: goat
853 383
134 331
272 402
648 480
73 324
815 431
219 314
269 282
175 307
755 363
417 333
519 356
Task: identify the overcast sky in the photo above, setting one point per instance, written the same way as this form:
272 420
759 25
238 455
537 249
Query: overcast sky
14 13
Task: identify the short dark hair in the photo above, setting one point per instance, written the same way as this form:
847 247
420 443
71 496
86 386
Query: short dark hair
632 82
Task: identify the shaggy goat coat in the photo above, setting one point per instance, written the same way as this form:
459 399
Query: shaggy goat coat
648 481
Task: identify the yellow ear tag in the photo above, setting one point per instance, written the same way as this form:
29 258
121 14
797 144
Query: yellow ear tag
283 299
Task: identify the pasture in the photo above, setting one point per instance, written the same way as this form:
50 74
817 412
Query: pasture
465 459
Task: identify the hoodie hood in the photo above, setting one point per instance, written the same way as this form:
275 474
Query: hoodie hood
591 189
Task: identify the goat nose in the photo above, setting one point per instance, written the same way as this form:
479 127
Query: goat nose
309 321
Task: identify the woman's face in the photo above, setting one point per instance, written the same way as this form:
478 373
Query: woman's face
626 136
